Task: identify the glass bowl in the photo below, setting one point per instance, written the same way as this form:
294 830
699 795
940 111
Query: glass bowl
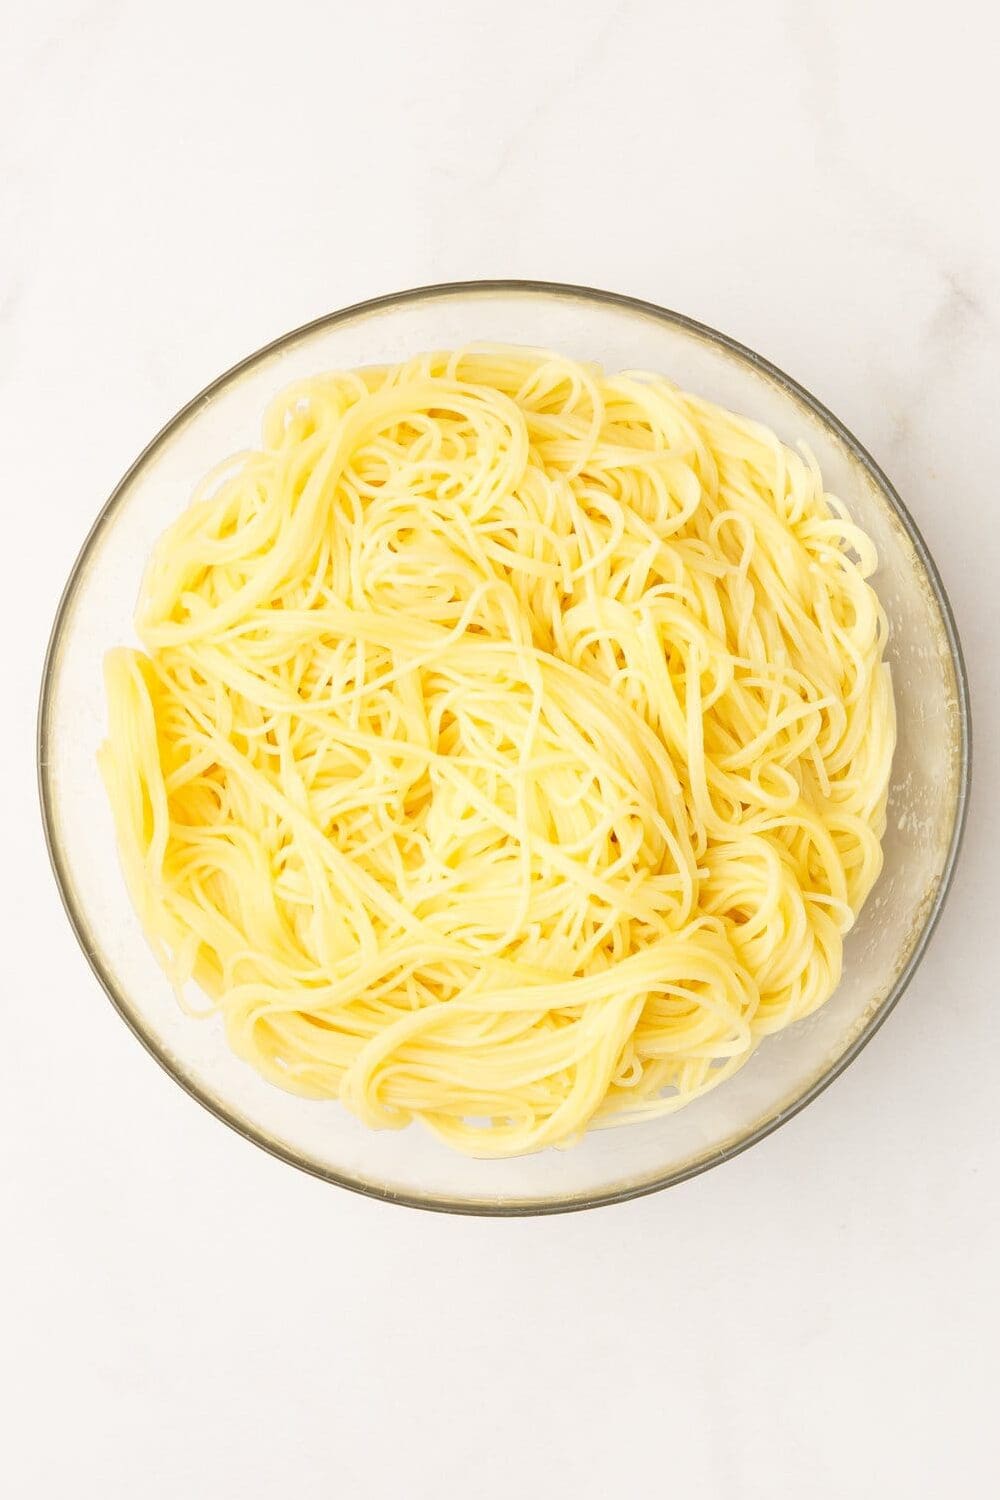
926 805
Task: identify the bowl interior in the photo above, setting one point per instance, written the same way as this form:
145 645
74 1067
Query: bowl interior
926 796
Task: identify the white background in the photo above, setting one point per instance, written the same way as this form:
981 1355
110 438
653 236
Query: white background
186 1317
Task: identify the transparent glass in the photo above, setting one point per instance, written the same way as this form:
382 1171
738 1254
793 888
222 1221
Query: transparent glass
926 807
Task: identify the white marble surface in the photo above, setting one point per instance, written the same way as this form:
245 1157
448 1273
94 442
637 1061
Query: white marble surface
187 1317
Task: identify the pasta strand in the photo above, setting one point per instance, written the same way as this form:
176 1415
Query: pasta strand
508 747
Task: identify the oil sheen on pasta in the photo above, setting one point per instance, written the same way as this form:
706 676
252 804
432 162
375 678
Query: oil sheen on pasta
509 744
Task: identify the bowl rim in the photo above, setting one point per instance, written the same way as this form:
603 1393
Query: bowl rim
510 1206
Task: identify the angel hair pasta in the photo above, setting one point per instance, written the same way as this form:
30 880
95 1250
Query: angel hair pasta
509 744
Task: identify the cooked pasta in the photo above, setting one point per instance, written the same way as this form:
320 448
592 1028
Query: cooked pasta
509 744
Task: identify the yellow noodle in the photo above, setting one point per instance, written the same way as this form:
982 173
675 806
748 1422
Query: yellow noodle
509 746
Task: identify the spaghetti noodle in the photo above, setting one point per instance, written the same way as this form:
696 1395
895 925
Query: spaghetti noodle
509 744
